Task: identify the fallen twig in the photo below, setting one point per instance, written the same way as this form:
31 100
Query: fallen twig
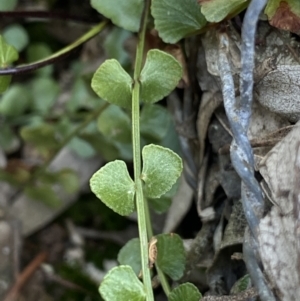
24 276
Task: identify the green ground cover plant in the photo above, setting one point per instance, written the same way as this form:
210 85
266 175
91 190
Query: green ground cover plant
125 119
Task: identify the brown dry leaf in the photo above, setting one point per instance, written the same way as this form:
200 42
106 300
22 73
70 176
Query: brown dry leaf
210 43
235 229
284 15
152 251
279 253
263 122
278 234
261 146
181 204
276 45
208 183
279 89
176 51
272 138
277 168
209 103
211 184
265 130
207 82
222 266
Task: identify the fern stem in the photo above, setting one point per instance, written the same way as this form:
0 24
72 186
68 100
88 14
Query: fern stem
140 201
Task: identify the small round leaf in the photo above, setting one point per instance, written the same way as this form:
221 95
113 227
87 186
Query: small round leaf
130 254
161 204
40 135
44 93
176 19
113 185
16 36
171 255
161 168
4 82
121 284
81 147
9 141
8 5
39 51
186 291
155 121
217 10
114 45
8 53
44 194
69 180
159 76
106 147
126 14
115 124
112 83
15 101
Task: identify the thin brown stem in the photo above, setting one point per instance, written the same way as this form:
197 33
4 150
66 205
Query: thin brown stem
23 278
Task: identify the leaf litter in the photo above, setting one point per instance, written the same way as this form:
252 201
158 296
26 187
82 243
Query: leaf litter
275 142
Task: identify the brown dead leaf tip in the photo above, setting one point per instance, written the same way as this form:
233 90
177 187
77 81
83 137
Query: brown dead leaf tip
285 19
152 251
